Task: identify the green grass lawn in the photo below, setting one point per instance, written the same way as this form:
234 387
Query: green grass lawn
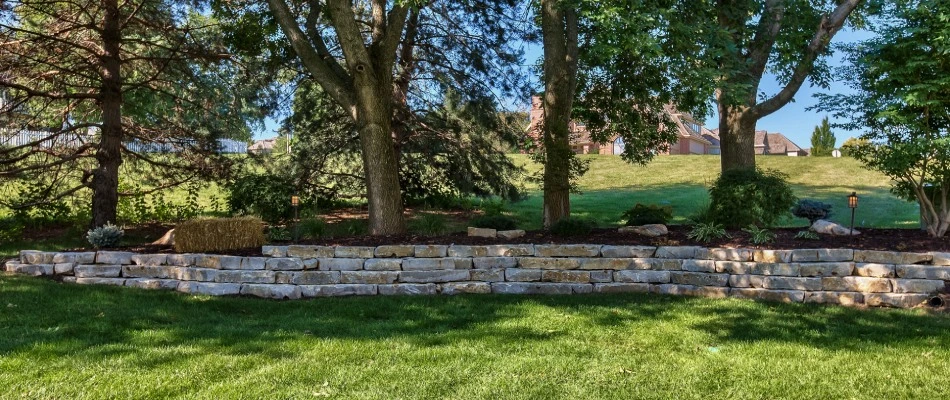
613 186
70 341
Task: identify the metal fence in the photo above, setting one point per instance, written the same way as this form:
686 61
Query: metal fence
49 140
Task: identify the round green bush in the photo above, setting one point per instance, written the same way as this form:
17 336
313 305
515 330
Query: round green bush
746 197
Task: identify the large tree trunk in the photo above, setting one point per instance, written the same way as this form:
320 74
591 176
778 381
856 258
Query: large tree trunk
559 28
737 136
105 181
381 170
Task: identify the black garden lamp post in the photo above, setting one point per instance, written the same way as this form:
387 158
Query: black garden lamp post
295 202
852 204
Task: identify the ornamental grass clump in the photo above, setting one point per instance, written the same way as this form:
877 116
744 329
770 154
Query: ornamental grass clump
219 234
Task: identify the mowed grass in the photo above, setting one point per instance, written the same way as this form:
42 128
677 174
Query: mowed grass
612 186
70 341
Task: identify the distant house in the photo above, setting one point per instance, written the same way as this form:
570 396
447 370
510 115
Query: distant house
265 146
776 144
693 138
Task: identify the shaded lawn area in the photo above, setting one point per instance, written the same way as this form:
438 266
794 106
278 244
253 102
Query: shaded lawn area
70 341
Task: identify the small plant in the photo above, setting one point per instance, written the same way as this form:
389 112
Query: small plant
812 210
807 235
429 224
107 235
648 214
349 227
491 207
312 228
572 227
498 222
759 235
707 231
278 234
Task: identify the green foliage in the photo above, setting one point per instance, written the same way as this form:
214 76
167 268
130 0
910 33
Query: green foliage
10 229
750 197
807 235
497 222
159 207
429 224
707 232
759 236
265 195
350 227
850 144
278 234
312 228
822 140
648 214
812 210
490 207
572 226
105 236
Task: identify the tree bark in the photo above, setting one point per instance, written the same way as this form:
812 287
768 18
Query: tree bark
379 164
105 181
737 138
559 29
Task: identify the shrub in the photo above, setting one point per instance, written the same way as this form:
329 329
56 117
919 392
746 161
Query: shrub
750 197
491 207
807 235
759 235
10 229
278 234
572 227
312 228
107 235
648 214
264 195
349 227
218 234
812 210
707 232
497 222
429 224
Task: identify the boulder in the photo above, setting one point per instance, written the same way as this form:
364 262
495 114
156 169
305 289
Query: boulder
831 228
652 230
512 234
168 239
482 232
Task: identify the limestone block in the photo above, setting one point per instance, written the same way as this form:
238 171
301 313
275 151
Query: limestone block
567 250
787 296
69 279
628 251
181 260
114 257
370 277
309 277
285 264
215 261
150 271
149 259
699 265
75 258
427 264
211 289
923 272
482 232
395 251
197 274
300 251
805 255
279 292
878 257
488 275
337 290
548 263
354 252
63 268
745 281
460 262
874 270
601 276
538 288
383 264
340 264
621 288
635 276
939 259
649 230
431 251
834 229
453 288
148 283
509 250
246 277
467 251
97 271
689 290
434 276
274 251
495 262
789 283
33 269
565 276
917 258
827 269
511 234
856 284
699 278
835 255
772 256
895 300
101 281
606 263
408 289
522 275
758 268
714 292
657 264
680 252
254 263
310 264
37 257
730 254
926 286
842 298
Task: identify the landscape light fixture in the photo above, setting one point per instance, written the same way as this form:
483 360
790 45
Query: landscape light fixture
852 204
295 202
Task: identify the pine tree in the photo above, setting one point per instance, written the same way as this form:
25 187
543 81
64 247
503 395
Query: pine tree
822 140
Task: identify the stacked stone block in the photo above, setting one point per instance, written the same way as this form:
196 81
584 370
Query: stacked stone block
838 276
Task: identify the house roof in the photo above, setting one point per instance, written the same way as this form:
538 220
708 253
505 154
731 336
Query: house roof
774 143
266 144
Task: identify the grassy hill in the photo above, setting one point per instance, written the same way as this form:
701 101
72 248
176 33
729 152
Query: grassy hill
613 186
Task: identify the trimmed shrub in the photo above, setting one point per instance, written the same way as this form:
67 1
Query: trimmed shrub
812 210
648 214
572 227
750 197
218 234
497 222
107 235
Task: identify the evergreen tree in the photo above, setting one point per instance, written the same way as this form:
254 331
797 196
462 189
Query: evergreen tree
822 140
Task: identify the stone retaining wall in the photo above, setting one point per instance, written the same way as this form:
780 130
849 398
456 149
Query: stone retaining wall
840 276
